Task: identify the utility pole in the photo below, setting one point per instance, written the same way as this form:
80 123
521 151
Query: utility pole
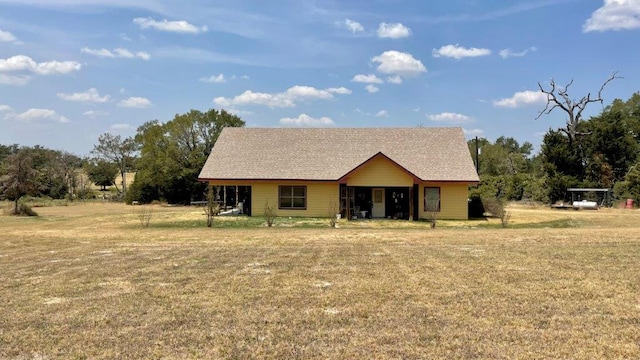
477 158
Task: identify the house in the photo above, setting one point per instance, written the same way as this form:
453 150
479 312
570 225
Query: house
358 172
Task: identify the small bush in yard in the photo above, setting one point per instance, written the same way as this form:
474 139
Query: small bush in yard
269 213
144 215
334 210
22 210
497 208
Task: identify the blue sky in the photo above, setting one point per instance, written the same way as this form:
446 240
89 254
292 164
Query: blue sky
71 70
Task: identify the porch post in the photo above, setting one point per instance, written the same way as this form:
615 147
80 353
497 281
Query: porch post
411 203
237 196
225 197
350 202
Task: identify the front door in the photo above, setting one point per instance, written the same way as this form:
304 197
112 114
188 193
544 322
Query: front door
378 203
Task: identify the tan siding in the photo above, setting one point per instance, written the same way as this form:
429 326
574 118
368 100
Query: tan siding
453 200
318 197
379 172
453 196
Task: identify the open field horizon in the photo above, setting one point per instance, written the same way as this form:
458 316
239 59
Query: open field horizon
88 281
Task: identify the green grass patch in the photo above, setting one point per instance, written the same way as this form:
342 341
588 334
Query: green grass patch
553 224
241 222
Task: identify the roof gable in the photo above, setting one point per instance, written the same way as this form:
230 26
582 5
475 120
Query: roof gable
373 158
429 154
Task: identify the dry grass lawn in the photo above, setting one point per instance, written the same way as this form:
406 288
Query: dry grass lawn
88 281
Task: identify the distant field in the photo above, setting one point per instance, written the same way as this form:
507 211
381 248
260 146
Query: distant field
88 281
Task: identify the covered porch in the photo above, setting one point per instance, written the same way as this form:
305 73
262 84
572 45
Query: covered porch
379 202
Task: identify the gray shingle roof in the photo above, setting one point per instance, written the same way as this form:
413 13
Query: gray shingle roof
432 154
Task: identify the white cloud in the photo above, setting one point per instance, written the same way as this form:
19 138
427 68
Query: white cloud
522 98
214 79
116 53
614 15
357 110
458 52
254 98
307 121
351 25
14 79
95 113
119 127
124 53
507 53
451 118
239 112
473 132
124 37
170 26
382 113
339 90
399 63
25 63
37 114
308 92
6 36
367 79
394 79
393 31
4 108
283 99
90 95
372 89
135 102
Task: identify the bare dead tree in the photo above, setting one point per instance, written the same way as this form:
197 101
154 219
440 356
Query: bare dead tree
558 97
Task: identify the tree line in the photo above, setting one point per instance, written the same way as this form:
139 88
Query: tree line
166 158
601 152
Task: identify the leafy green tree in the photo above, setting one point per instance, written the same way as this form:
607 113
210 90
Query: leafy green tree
630 111
598 172
101 172
20 179
633 180
601 156
611 141
173 153
6 150
506 170
119 151
505 156
560 155
56 171
629 188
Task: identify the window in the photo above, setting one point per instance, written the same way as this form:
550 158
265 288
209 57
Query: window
292 197
431 199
